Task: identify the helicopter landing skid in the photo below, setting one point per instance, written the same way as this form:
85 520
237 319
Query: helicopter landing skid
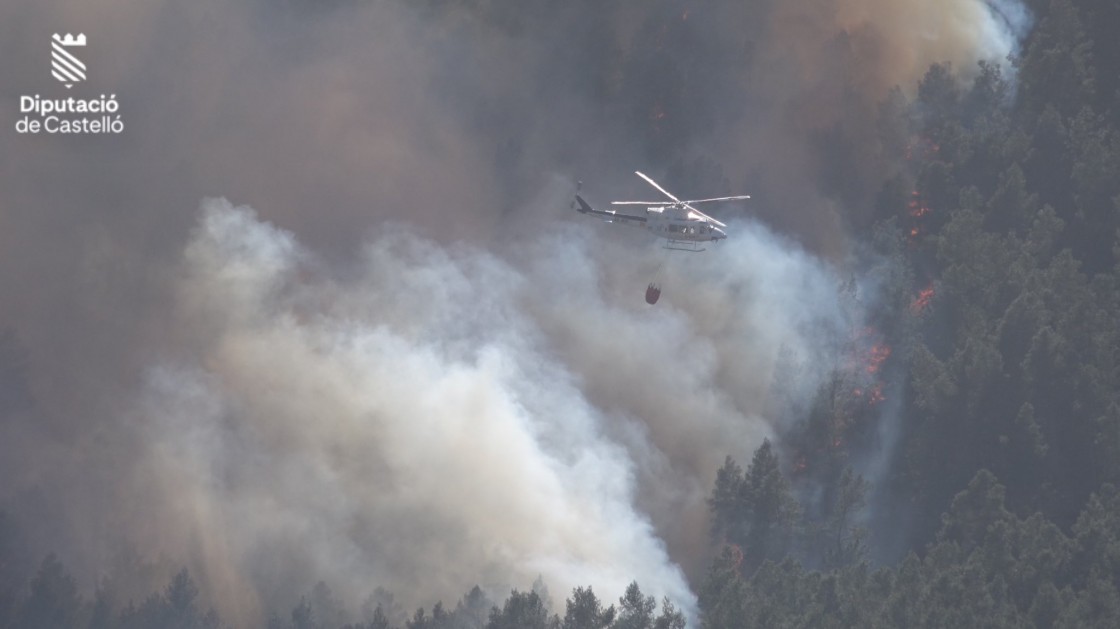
683 245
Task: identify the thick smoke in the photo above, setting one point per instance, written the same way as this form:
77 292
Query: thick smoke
815 75
443 416
414 368
894 43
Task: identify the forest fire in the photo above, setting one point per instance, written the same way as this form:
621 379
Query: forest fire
845 407
876 395
922 148
869 351
917 208
879 353
800 465
921 302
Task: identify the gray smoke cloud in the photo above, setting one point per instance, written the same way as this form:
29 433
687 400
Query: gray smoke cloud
419 424
409 365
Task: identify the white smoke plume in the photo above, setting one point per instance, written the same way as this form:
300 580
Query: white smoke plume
444 416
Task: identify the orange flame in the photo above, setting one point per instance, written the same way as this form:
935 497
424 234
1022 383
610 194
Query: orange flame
874 394
879 354
917 208
921 147
921 302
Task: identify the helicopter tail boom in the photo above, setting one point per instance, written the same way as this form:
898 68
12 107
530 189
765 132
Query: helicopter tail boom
608 215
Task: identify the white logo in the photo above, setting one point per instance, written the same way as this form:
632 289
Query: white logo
73 114
64 65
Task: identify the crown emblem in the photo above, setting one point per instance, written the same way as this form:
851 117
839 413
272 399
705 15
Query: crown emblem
70 40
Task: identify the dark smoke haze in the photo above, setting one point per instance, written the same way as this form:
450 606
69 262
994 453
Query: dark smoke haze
408 365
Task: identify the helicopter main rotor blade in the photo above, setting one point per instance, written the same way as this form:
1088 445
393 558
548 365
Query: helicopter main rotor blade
700 214
654 184
650 203
741 197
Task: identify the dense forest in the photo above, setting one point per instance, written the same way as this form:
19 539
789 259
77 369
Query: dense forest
988 371
1003 319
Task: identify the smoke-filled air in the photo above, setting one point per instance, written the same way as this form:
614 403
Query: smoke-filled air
317 338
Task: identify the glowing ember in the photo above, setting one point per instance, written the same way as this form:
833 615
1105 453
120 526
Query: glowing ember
921 147
876 394
914 231
800 465
879 354
922 300
916 207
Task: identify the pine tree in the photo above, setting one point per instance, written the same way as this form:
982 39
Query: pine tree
585 611
635 611
53 601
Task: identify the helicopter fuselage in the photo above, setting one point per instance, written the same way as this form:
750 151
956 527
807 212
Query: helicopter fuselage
678 225
675 224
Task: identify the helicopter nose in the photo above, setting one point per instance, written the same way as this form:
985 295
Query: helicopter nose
718 234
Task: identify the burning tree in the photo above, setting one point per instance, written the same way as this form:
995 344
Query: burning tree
754 511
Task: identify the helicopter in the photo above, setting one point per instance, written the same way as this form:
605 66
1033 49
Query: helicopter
683 227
